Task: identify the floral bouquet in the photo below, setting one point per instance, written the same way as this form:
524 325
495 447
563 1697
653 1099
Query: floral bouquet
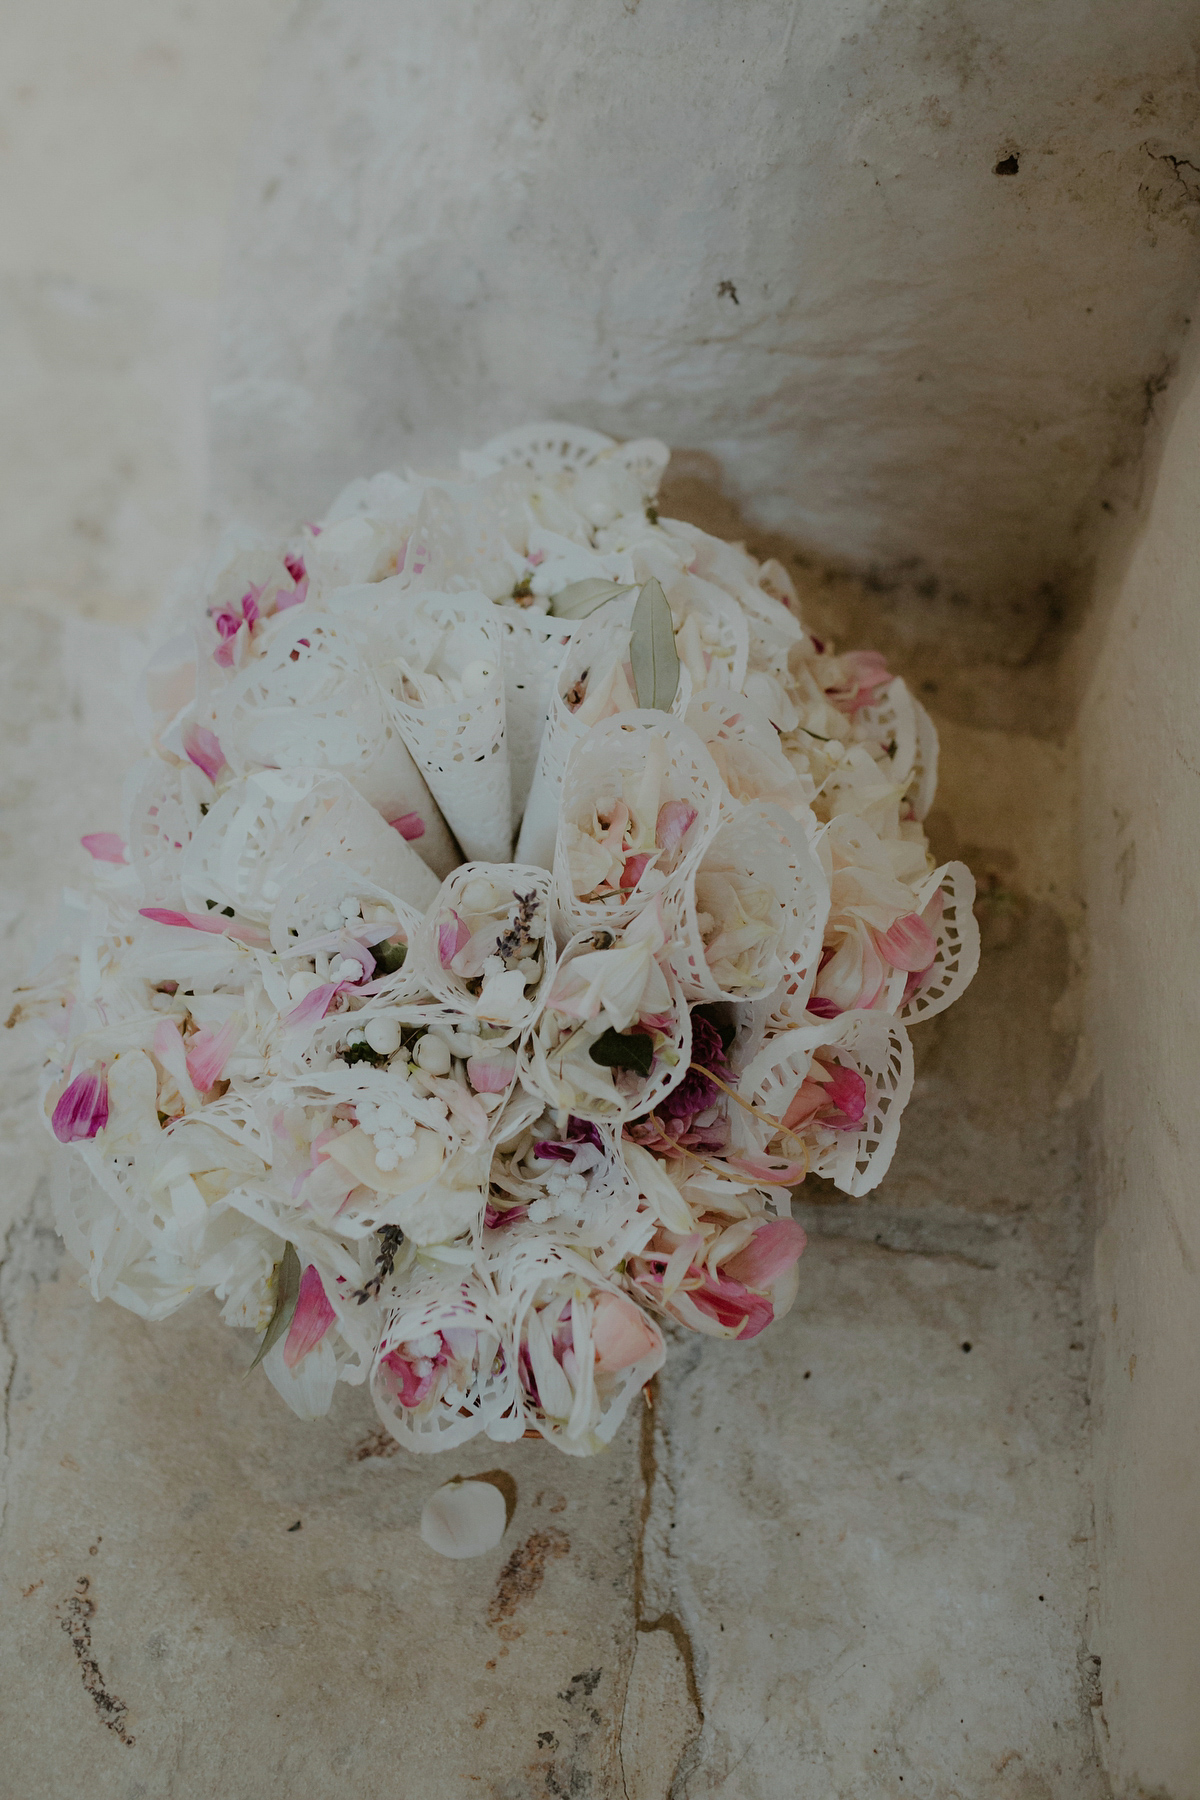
515 903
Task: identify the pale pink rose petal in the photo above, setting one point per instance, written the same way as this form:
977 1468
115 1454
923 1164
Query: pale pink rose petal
104 846
410 826
310 1321
621 1333
201 746
297 597
909 943
772 1250
208 1053
217 923
773 1171
491 1074
82 1108
633 871
314 1005
453 936
675 820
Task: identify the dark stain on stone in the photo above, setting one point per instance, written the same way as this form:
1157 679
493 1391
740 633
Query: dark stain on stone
75 1615
522 1574
377 1443
1008 165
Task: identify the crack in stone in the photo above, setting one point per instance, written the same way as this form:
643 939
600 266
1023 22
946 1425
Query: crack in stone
75 1615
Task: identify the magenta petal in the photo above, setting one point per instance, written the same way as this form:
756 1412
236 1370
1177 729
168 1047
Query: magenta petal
82 1108
772 1250
310 1321
208 1053
909 944
104 846
202 747
848 1092
409 825
822 1008
675 820
633 871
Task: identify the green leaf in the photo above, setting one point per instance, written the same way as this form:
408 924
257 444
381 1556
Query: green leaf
287 1292
583 598
389 956
652 650
624 1050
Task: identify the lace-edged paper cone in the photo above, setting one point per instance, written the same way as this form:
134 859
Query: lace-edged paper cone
594 644
872 1044
310 700
608 1223
615 757
534 1282
470 1377
453 913
758 875
546 1061
534 644
914 998
311 911
239 855
460 745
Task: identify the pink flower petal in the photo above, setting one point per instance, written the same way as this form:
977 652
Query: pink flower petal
295 568
772 1171
847 1091
410 826
821 1008
297 597
314 1005
217 923
208 1053
772 1250
82 1108
310 1321
453 936
491 1074
228 624
104 846
909 943
201 747
621 1333
633 871
675 820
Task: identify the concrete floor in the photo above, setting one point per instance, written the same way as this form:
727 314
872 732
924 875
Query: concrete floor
850 1559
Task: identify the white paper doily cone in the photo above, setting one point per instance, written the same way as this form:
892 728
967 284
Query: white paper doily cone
489 1401
957 947
446 986
460 746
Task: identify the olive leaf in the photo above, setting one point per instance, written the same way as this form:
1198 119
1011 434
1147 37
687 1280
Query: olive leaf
583 598
624 1050
287 1292
652 650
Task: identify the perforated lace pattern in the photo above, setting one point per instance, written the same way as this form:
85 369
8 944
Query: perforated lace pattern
517 878
872 1043
164 816
461 747
491 1401
547 449
957 944
533 647
758 844
892 721
614 750
922 783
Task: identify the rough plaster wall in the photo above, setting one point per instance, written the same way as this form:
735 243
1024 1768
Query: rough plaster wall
1140 786
767 231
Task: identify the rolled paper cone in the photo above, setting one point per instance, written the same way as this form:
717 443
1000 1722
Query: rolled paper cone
313 895
534 644
461 746
548 448
310 700
451 912
543 1070
488 1400
759 859
615 752
870 1043
957 957
536 1275
604 633
241 853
